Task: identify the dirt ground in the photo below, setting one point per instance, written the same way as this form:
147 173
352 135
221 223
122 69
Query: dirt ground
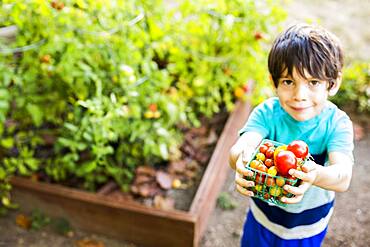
350 224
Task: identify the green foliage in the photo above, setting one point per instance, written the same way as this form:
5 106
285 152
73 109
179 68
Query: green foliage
90 89
39 219
355 88
225 202
61 226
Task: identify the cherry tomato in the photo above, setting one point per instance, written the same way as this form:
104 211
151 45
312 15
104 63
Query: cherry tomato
275 191
261 167
268 144
285 160
272 171
259 179
270 181
269 162
280 181
299 148
261 157
254 164
270 152
263 149
266 196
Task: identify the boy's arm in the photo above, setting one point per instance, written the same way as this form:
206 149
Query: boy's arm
246 144
337 176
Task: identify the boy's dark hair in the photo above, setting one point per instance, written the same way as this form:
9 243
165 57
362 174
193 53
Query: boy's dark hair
306 47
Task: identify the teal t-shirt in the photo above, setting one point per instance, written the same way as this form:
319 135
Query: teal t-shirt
327 132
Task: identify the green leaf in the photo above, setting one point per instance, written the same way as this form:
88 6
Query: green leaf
7 142
3 174
163 151
32 163
86 168
36 114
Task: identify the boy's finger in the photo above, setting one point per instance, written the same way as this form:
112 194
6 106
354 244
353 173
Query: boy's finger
294 190
309 166
297 191
298 174
243 182
244 191
292 200
240 168
244 171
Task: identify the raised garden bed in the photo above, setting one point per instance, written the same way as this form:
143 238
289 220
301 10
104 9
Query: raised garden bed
130 220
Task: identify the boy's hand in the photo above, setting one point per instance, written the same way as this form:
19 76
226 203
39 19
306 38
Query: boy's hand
308 176
242 184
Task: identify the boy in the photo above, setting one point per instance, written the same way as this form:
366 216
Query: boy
305 63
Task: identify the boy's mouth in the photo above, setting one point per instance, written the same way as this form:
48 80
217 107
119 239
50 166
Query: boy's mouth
299 109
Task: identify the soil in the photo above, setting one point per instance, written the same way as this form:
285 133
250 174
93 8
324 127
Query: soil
350 223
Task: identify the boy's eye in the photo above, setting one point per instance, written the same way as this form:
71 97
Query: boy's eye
287 82
315 82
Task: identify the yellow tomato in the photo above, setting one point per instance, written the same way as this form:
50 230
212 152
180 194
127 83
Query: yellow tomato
259 187
261 157
156 114
148 114
275 191
239 92
272 171
280 181
176 183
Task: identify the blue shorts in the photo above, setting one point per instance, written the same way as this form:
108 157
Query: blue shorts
257 235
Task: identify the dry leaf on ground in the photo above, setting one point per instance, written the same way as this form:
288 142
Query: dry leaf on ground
164 203
23 221
88 243
164 180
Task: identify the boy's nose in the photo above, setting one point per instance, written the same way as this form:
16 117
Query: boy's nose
300 92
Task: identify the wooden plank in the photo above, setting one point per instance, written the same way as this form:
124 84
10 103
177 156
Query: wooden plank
147 226
217 169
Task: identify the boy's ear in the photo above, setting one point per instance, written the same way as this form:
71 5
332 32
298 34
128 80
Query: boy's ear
334 89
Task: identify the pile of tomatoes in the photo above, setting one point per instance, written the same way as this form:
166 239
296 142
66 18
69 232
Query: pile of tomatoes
271 164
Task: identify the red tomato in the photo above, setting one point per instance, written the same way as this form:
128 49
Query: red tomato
269 162
299 148
285 160
263 149
280 181
268 144
259 179
270 152
266 196
270 181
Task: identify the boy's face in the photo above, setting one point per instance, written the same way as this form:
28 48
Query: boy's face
302 98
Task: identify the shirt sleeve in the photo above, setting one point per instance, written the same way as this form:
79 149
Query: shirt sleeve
257 121
341 139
